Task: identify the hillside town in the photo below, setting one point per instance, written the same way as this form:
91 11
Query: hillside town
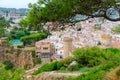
82 34
60 40
13 14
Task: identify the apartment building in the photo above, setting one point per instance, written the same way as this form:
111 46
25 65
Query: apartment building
45 50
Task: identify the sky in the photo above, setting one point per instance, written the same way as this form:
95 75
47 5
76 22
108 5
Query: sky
16 3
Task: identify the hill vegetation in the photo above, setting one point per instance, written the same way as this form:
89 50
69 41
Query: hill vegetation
95 62
16 74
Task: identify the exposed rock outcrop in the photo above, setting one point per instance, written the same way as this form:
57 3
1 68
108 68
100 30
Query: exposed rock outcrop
53 76
19 57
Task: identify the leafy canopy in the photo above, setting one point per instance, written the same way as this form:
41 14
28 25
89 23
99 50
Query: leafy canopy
67 10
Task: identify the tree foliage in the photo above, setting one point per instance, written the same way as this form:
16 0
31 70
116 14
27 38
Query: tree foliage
17 33
66 10
34 36
2 31
17 74
95 56
3 23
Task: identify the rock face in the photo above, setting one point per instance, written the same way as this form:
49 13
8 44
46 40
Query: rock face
54 76
29 77
20 58
1 54
25 60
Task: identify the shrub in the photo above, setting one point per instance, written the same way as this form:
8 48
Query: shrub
62 68
46 67
68 60
38 61
88 56
73 67
8 64
60 64
80 65
95 73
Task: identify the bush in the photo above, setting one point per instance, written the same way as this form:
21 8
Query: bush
88 56
38 61
62 68
8 65
60 64
96 73
73 67
46 67
68 60
80 65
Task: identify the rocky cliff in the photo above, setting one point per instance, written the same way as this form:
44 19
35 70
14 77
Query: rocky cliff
19 57
53 76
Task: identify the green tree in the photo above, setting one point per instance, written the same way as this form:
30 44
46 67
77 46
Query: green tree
2 31
17 33
23 22
66 10
33 37
4 23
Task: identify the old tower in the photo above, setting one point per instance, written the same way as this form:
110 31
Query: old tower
67 41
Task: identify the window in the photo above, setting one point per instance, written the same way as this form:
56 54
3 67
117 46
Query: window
46 55
45 48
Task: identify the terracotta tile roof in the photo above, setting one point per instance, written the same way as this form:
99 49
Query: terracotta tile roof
104 36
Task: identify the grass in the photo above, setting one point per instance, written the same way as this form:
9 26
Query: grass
84 69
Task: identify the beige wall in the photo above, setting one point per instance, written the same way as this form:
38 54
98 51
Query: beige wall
67 47
48 52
